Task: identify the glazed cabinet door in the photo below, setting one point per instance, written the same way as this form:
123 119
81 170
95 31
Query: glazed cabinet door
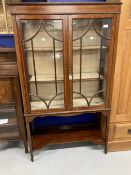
90 60
44 62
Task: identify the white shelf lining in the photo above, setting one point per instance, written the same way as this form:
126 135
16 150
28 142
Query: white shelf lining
61 48
76 76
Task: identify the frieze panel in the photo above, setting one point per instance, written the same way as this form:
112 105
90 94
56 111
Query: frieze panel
2 92
6 91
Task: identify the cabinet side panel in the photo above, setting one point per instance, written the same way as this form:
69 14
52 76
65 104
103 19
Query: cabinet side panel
125 88
121 88
119 136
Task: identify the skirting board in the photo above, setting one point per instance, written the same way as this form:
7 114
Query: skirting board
119 146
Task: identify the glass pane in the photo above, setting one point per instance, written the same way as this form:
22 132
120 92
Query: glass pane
8 123
43 42
91 39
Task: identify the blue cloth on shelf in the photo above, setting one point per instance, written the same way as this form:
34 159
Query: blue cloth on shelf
7 40
63 0
65 120
76 0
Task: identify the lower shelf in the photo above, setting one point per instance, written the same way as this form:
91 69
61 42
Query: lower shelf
76 76
9 136
66 136
9 129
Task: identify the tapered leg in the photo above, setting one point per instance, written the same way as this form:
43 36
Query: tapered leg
19 111
25 145
106 131
29 138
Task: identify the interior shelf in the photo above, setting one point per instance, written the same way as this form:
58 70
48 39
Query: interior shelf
76 76
38 105
39 49
89 47
64 136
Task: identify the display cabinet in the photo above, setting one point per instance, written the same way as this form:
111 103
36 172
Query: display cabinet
12 125
66 58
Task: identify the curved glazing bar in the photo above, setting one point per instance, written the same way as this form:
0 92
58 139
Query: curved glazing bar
99 33
91 24
49 103
82 96
96 95
45 29
40 99
54 99
88 28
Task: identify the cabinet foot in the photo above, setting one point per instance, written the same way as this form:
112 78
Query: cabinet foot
105 150
26 148
32 157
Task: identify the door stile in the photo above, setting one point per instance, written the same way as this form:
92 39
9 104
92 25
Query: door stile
65 61
70 62
21 63
112 59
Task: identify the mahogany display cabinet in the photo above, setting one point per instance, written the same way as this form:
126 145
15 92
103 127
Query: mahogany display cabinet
66 59
12 125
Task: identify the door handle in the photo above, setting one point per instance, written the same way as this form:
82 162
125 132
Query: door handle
129 131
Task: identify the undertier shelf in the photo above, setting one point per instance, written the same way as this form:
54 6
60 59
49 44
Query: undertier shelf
58 104
9 129
76 76
56 136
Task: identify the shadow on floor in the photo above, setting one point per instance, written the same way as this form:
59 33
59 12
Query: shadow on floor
10 144
71 145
